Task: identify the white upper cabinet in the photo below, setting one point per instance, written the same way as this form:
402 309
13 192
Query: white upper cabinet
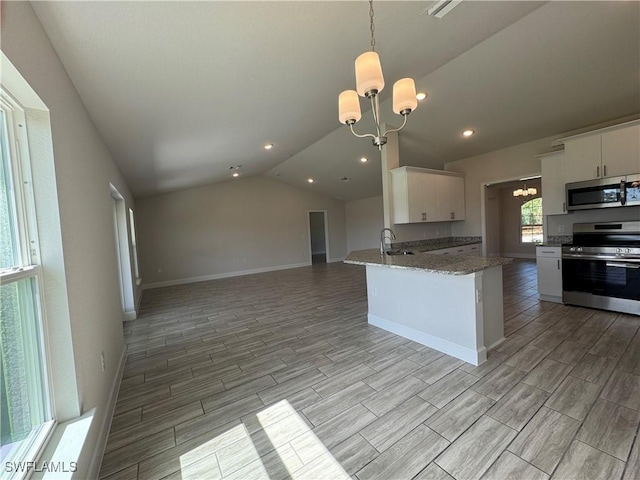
603 153
621 151
583 159
424 195
553 193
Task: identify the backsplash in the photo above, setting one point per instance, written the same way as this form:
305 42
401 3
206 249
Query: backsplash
558 239
432 242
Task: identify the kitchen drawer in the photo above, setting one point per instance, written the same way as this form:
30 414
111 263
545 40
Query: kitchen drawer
553 252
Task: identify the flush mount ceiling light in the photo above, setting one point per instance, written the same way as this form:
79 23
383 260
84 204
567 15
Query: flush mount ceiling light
369 83
468 133
310 180
235 174
345 179
268 146
421 96
364 159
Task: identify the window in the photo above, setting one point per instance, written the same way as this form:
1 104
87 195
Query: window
25 407
531 221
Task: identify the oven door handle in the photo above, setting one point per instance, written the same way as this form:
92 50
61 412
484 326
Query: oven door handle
622 265
579 256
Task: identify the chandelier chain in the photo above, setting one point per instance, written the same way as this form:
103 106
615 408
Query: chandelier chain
372 27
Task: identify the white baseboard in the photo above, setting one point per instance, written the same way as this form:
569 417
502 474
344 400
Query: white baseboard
475 357
336 260
217 276
130 315
105 423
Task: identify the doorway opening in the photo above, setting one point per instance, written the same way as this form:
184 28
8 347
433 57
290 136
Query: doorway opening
318 237
507 229
120 219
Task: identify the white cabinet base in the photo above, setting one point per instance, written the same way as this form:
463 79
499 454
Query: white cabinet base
460 315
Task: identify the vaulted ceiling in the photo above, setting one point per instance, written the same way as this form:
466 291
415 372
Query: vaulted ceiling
182 91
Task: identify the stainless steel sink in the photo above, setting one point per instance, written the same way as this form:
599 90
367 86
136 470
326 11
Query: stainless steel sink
399 252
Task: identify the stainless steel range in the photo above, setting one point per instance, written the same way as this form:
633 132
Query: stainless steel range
601 268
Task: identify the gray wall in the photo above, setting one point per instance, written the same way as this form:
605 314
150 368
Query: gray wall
364 222
232 228
88 270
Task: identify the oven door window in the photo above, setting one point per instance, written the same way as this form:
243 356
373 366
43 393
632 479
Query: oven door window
618 279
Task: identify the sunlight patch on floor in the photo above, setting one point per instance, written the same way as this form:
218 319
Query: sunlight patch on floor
273 443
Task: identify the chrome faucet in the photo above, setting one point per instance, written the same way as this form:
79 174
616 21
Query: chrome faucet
383 237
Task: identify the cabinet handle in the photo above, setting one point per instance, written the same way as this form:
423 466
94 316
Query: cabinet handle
604 168
424 216
453 215
598 171
558 264
564 206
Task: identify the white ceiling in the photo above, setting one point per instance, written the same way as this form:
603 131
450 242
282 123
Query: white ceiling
181 91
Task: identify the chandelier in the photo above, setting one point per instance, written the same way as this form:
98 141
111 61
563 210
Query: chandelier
369 83
524 192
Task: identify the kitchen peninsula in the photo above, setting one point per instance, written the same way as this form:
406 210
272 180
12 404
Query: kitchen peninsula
450 303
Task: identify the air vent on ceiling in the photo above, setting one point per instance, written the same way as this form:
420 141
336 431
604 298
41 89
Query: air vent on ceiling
440 8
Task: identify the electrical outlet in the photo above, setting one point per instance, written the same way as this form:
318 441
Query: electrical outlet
103 363
560 228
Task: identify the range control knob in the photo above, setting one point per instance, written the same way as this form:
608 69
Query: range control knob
618 250
572 249
627 250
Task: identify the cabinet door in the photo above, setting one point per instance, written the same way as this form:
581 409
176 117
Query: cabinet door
457 198
400 197
553 192
429 196
415 197
449 203
621 151
583 159
549 276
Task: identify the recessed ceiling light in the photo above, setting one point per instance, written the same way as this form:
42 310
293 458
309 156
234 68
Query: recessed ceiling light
235 167
345 179
421 96
364 159
235 174
268 146
468 133
310 180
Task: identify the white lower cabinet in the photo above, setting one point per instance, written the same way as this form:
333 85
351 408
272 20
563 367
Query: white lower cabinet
549 262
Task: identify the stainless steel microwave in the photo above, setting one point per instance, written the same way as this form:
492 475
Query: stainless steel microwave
604 192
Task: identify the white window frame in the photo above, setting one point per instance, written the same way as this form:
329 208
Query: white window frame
29 267
532 242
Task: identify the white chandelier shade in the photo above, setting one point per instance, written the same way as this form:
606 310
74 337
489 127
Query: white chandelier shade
404 96
369 74
349 106
525 192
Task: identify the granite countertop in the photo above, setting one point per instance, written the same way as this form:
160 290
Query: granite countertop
436 243
442 264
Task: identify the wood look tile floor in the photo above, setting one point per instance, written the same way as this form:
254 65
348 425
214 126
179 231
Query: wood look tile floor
279 376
